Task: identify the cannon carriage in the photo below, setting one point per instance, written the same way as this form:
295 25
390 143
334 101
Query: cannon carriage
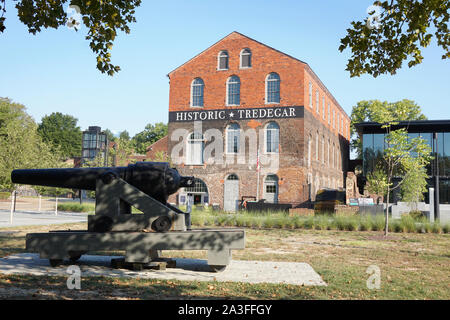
161 226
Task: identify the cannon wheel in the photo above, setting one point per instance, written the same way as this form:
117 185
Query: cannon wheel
55 262
217 268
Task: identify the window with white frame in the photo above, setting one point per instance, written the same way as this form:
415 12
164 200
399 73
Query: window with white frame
323 108
309 150
338 120
328 152
233 91
233 136
246 58
195 146
222 63
310 94
317 146
334 119
323 149
317 101
273 88
329 113
272 135
197 90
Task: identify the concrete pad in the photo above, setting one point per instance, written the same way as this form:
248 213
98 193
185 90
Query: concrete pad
187 269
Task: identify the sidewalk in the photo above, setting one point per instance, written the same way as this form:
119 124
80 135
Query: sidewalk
28 218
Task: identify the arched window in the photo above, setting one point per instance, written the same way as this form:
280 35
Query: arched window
323 107
195 149
317 101
198 187
323 149
232 177
309 150
233 91
329 116
222 63
197 93
273 88
310 94
272 137
317 146
233 136
246 58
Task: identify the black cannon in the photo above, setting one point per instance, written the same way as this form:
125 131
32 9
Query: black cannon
143 237
144 185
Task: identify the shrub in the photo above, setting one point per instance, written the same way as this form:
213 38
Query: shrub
395 226
408 224
365 223
298 222
436 227
446 228
76 207
308 223
378 223
321 222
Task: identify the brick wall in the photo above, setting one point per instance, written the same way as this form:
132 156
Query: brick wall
298 175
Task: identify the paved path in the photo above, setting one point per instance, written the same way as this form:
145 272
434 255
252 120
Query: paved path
186 269
28 218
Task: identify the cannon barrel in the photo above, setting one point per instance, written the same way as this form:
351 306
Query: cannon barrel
156 179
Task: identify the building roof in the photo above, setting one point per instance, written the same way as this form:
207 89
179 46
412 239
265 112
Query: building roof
234 33
308 67
413 126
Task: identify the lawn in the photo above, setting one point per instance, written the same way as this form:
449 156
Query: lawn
413 266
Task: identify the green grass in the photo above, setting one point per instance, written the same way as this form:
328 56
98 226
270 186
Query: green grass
413 266
280 220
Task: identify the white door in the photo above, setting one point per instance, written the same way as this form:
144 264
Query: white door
231 193
271 189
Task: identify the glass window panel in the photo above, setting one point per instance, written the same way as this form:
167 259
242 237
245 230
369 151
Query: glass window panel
446 154
234 88
368 153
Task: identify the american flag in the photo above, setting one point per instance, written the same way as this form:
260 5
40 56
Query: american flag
257 160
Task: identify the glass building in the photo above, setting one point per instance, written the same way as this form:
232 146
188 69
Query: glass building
94 142
435 132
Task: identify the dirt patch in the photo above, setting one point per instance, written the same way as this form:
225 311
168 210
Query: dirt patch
384 238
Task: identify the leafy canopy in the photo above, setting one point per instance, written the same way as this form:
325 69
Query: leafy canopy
20 144
148 136
395 32
61 132
382 112
103 19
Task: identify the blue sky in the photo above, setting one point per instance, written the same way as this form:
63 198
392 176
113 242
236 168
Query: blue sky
55 70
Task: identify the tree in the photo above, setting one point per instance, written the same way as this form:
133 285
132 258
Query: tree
148 136
61 132
121 152
414 186
395 32
401 155
124 135
103 19
20 144
368 110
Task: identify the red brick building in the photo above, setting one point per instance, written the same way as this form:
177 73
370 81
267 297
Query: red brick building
284 136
